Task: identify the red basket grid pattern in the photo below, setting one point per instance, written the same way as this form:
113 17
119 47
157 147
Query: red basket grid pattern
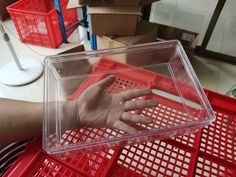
36 21
181 156
168 113
208 152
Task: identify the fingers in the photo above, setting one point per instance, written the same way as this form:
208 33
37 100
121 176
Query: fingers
124 127
126 116
131 94
106 82
139 104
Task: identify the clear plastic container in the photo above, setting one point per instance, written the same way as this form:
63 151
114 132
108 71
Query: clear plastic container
162 67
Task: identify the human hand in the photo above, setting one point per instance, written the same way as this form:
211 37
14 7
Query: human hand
96 108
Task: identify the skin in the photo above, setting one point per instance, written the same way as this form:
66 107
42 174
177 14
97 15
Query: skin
95 108
19 120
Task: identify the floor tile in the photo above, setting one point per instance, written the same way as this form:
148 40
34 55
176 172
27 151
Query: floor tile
227 77
207 72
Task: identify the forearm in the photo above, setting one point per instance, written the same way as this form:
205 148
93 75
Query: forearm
19 120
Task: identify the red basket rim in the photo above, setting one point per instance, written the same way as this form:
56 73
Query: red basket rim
11 8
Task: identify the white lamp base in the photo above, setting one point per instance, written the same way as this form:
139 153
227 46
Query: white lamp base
12 76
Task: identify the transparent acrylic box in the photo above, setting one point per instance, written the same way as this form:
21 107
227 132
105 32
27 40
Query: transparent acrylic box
162 67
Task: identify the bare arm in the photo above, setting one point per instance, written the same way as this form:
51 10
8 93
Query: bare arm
19 120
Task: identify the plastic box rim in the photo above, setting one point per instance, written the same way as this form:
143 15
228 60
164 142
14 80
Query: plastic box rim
88 54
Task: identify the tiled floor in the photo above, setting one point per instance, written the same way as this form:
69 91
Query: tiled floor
34 90
214 75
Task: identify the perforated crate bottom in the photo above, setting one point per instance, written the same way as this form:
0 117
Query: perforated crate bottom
209 152
163 115
169 113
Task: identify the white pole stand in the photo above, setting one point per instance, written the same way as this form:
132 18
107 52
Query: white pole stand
19 72
12 76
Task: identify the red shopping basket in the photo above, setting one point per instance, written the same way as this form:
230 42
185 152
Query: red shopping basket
37 23
209 152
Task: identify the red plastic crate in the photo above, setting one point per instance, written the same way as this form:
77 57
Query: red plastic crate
169 113
37 23
209 152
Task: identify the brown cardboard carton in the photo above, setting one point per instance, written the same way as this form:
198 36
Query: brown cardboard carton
188 39
73 68
113 20
79 48
78 3
146 32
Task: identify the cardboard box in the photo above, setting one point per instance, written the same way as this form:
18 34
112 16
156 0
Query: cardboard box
188 39
79 48
113 20
146 32
73 68
78 3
